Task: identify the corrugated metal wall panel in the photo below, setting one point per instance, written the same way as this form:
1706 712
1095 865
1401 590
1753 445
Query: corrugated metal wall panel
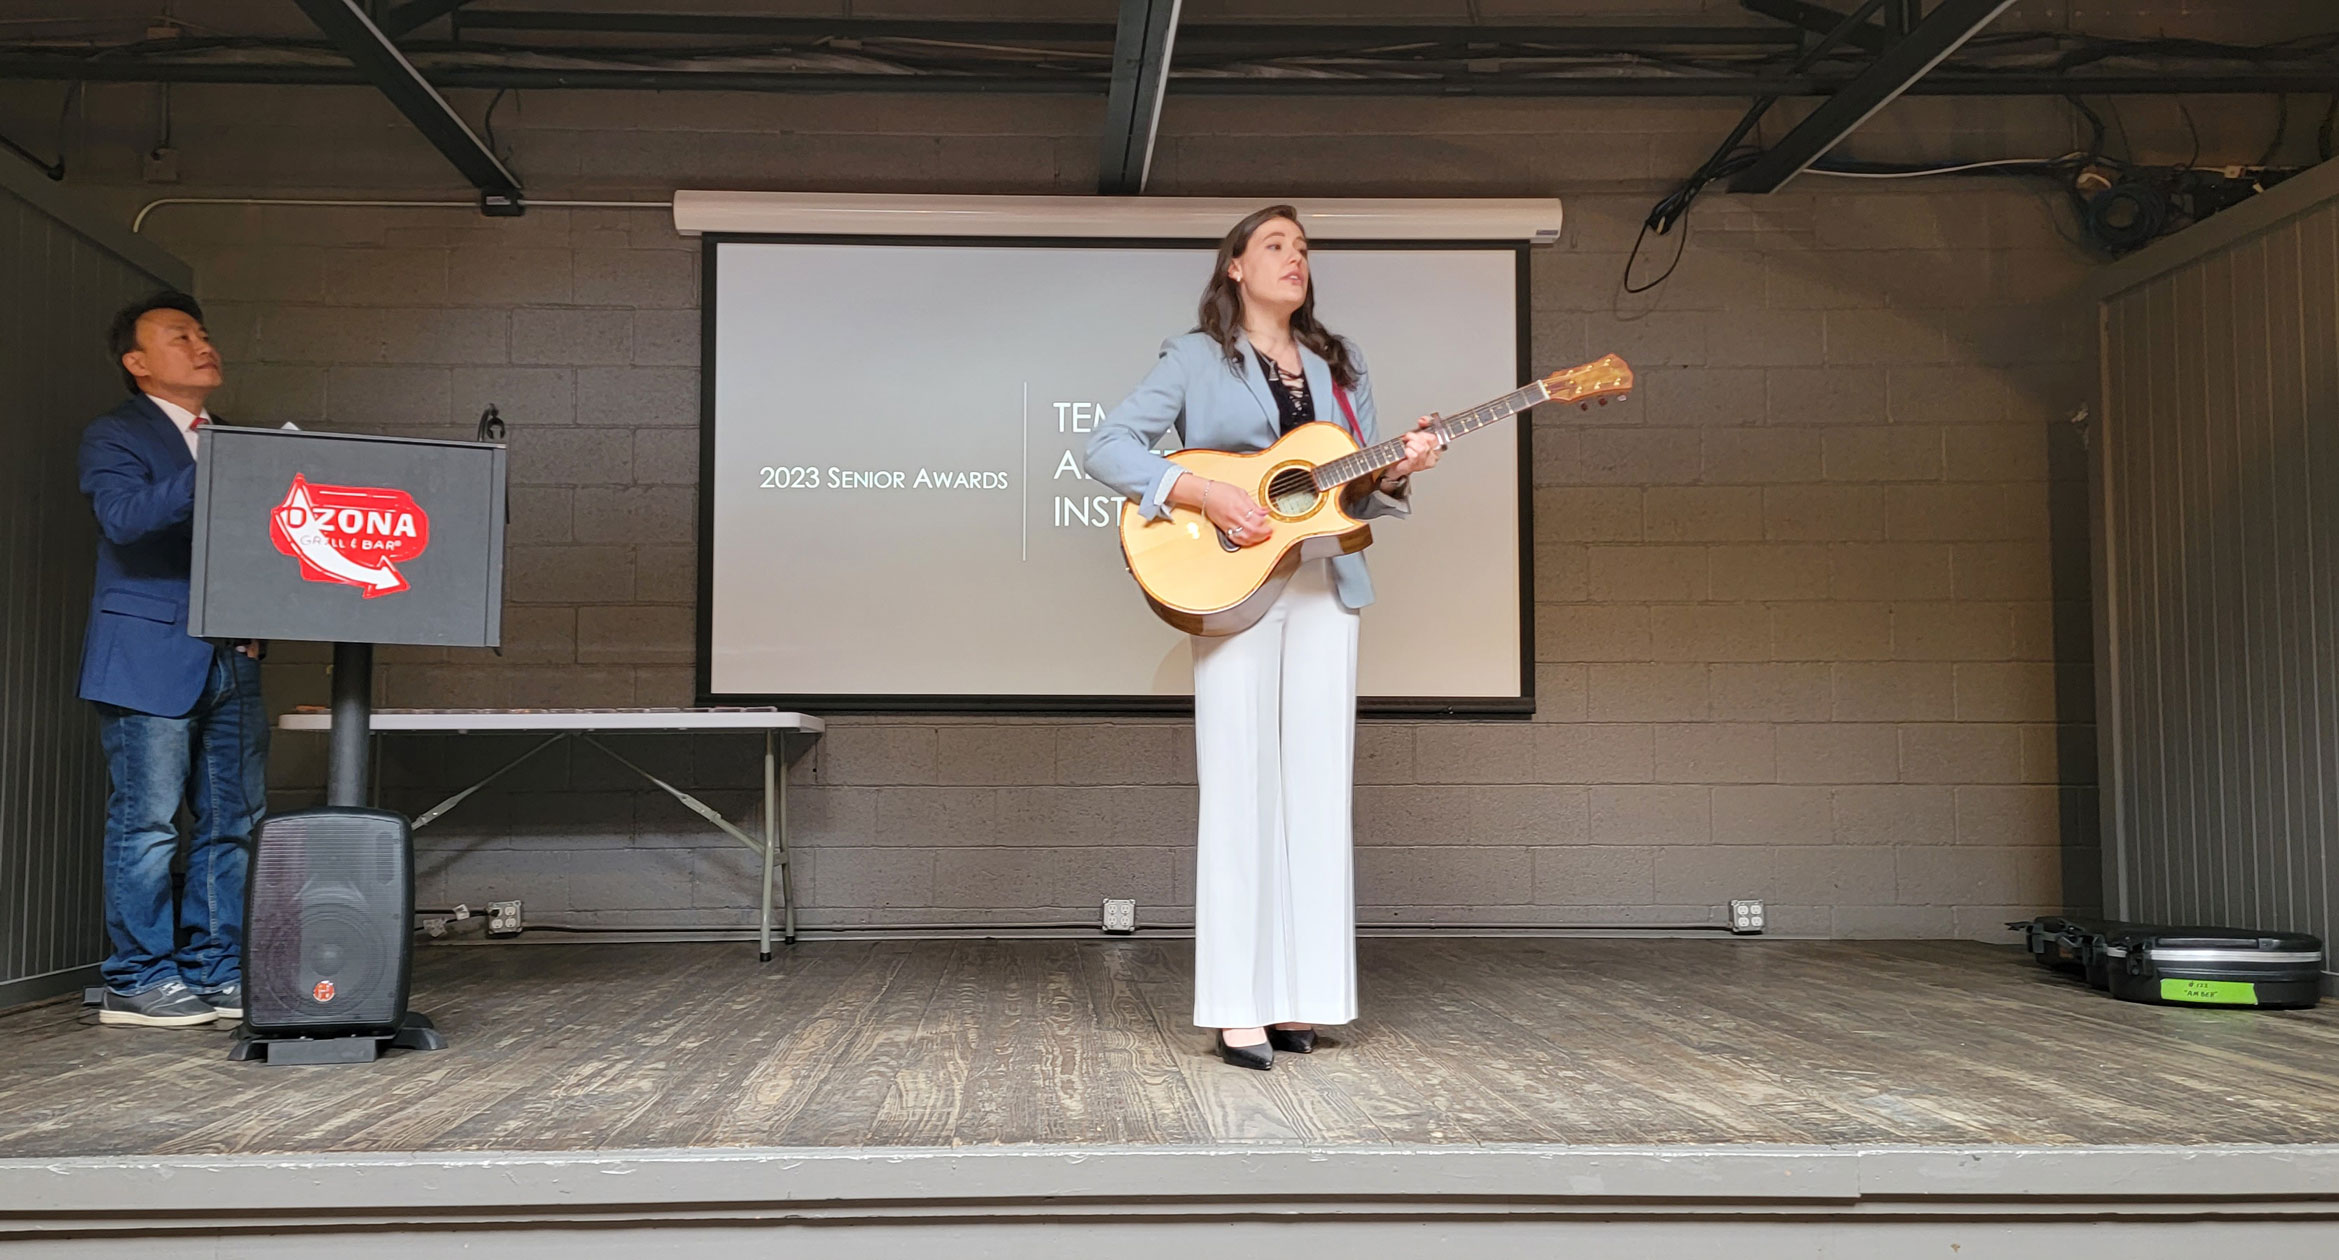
2219 467
58 286
2322 472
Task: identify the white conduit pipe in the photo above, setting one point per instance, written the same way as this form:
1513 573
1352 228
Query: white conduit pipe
139 223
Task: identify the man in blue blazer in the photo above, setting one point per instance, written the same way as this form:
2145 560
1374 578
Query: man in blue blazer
181 717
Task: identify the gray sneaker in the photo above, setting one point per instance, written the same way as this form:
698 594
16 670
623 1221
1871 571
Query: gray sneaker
227 1003
170 1004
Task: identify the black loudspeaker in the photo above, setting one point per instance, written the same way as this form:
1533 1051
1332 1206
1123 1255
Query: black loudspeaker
329 938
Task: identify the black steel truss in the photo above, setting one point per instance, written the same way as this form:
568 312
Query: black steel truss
1905 62
371 53
1968 83
1249 38
1141 62
1820 20
406 17
686 52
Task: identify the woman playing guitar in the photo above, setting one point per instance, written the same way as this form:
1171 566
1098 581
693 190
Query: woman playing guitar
1274 705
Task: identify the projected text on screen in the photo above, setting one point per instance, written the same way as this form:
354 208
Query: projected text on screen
898 508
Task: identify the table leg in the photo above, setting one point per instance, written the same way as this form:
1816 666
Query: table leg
787 862
428 816
771 835
773 843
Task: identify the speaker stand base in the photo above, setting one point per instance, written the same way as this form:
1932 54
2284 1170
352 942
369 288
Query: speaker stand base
415 1032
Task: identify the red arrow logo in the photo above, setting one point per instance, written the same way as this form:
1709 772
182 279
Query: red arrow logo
350 534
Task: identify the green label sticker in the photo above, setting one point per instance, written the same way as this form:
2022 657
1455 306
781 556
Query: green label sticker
2218 992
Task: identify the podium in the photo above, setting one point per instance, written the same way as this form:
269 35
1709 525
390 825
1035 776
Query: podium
352 540
355 541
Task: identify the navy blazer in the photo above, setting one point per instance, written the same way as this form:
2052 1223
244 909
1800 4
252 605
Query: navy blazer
1222 406
141 484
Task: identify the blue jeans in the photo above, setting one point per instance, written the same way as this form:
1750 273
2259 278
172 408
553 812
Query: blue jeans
215 760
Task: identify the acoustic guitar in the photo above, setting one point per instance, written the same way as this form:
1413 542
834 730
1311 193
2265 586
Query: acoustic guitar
1203 582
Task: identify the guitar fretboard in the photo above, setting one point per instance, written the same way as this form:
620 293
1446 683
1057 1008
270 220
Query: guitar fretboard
1380 455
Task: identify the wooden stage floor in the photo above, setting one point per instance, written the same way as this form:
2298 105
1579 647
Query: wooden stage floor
1086 1042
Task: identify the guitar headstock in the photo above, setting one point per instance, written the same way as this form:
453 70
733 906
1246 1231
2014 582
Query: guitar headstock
1603 380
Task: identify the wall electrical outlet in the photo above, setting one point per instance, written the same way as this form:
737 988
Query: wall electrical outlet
1120 914
1746 917
503 918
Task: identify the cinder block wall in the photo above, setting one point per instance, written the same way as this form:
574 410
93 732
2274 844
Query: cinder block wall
1811 611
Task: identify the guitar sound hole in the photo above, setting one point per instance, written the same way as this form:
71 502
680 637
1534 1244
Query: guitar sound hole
1291 492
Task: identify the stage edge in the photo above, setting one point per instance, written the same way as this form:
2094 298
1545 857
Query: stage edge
277 1193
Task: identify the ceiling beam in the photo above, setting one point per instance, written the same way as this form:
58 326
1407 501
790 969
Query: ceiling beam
414 13
1141 63
1818 19
371 53
1941 33
1255 38
2221 82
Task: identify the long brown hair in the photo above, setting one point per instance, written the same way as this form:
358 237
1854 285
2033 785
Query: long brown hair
1222 303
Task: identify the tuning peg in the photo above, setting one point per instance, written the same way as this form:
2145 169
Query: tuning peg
1603 402
1583 406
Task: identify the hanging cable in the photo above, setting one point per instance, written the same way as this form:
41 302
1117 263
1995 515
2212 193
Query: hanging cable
2281 129
1667 274
1728 157
487 124
2095 124
2120 205
1854 173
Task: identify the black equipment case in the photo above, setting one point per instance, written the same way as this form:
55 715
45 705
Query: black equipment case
2191 966
2060 943
2214 966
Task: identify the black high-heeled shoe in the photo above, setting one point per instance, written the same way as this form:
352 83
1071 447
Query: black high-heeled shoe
1292 1040
1259 1058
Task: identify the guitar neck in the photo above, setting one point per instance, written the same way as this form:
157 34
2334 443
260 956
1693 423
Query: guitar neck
1380 455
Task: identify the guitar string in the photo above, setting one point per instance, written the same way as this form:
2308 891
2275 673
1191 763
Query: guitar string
1383 454
1386 453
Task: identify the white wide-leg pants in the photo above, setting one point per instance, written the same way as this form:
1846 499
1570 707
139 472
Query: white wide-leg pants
1275 750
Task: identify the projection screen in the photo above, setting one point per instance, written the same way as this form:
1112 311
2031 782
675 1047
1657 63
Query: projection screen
893 511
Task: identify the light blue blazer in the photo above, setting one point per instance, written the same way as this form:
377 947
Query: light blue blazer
1219 406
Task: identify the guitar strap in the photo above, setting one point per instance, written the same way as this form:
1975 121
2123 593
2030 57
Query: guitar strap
1349 410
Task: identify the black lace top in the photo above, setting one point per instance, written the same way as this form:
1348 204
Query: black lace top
1293 404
